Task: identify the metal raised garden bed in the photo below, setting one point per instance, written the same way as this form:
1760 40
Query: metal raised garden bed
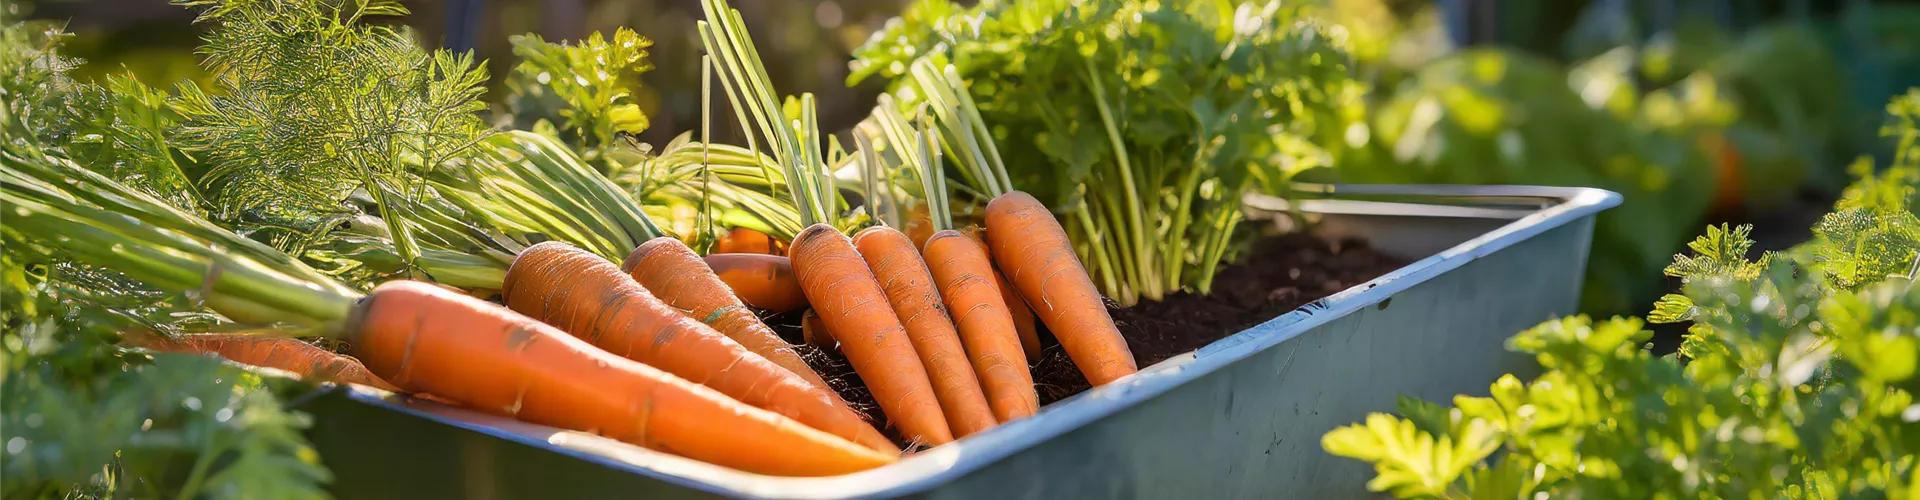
1241 417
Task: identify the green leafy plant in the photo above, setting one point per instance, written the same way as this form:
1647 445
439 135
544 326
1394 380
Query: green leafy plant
1796 380
587 88
314 105
84 417
1165 113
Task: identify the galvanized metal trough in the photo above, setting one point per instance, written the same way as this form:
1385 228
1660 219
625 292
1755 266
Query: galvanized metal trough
1239 418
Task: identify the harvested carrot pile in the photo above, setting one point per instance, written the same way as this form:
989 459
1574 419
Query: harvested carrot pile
1278 275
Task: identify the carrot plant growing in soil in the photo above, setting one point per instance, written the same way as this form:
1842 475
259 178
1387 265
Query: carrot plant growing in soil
1166 113
1796 380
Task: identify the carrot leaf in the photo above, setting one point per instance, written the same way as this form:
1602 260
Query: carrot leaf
1140 124
586 88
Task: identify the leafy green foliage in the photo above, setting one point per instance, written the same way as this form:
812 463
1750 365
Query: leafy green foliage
1797 380
1491 116
83 416
314 105
123 134
1164 112
587 88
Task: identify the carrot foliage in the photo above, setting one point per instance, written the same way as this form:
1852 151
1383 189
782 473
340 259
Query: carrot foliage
583 92
1165 112
85 257
584 95
314 105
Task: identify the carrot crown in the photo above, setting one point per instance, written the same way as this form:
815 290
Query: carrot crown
918 154
953 129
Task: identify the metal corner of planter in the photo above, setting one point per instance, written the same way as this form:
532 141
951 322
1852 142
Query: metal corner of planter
1240 417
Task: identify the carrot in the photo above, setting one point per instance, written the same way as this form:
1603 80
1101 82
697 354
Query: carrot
1022 314
909 287
679 277
587 296
1038 259
815 333
1023 321
425 338
965 277
300 358
855 308
919 225
763 281
744 240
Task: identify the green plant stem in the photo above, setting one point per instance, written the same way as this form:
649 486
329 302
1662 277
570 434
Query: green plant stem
1138 236
1102 263
402 234
236 286
1210 261
199 472
1177 236
980 131
1125 258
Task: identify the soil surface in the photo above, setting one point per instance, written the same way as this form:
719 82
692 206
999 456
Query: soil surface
1280 274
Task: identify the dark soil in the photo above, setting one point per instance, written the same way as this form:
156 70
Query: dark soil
1281 274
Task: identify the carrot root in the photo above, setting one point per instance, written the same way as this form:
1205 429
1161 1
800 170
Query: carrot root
683 280
589 297
854 307
292 355
762 281
910 289
1039 260
428 339
815 333
965 276
1023 321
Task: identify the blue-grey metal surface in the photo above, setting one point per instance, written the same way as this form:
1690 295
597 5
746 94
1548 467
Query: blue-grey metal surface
1241 417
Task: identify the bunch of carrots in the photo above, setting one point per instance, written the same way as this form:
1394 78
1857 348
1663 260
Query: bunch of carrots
661 349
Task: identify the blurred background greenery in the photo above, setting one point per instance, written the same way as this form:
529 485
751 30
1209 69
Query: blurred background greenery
1699 111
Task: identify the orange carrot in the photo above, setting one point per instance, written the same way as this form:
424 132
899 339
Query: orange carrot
743 240
1022 314
300 358
855 309
965 278
763 281
1023 321
919 225
585 295
679 277
815 333
1039 260
428 339
909 287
